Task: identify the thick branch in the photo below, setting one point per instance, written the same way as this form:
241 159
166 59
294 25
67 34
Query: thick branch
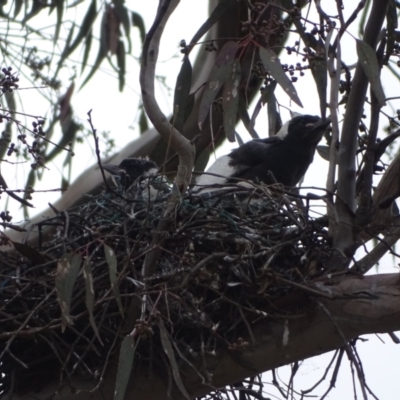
348 144
314 333
184 148
387 191
277 342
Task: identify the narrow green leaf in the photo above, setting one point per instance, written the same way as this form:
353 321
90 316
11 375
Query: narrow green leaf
67 45
264 98
86 27
318 67
245 117
60 13
37 6
101 55
64 182
121 65
32 179
369 62
19 199
17 7
218 75
125 363
182 92
189 106
138 22
112 268
202 161
274 119
392 23
66 274
310 40
230 100
88 276
169 351
69 127
324 151
103 49
215 16
123 15
9 125
239 139
272 64
143 124
87 45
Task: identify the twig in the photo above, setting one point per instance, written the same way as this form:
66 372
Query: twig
348 348
368 261
394 337
334 374
203 262
96 142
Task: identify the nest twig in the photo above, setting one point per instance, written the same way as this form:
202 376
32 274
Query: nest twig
229 257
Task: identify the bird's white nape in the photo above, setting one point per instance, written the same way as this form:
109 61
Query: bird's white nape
284 130
294 114
285 127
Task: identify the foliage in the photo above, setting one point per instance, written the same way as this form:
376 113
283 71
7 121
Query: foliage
69 46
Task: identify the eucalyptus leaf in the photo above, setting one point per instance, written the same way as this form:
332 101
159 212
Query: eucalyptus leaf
218 76
370 65
272 64
66 274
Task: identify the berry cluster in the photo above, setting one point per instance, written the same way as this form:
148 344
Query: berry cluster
8 81
11 150
36 149
5 216
37 127
210 47
262 30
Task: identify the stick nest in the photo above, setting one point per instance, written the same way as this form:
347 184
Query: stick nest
225 259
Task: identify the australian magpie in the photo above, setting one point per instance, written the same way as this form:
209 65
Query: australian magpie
141 172
283 158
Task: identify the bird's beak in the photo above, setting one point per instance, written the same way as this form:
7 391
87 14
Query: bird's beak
317 129
322 124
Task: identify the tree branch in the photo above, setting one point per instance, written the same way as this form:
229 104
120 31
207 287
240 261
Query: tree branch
387 191
345 203
376 311
184 148
372 258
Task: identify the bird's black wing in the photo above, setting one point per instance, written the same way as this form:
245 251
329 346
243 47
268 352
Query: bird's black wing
252 153
238 163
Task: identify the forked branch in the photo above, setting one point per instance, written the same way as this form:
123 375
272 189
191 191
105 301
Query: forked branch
184 148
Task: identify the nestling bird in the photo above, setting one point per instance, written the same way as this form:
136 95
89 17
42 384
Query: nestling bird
286 156
130 169
140 170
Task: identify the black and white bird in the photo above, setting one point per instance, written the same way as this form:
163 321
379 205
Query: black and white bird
140 171
283 158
